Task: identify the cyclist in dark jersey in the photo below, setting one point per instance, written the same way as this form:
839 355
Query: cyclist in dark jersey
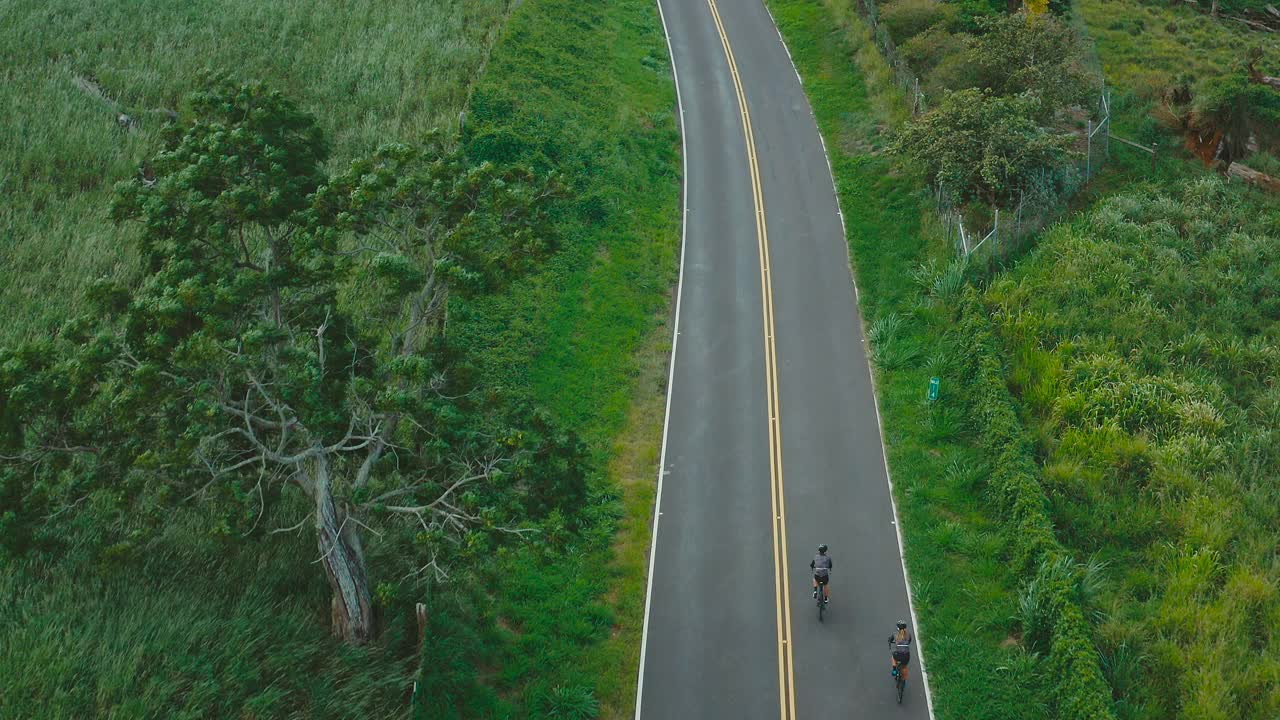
901 642
821 564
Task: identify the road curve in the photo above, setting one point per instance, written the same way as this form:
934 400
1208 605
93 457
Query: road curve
758 418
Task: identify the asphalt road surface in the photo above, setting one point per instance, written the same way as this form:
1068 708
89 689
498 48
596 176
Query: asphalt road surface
772 443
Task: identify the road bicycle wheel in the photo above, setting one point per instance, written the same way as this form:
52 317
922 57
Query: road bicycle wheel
822 607
902 685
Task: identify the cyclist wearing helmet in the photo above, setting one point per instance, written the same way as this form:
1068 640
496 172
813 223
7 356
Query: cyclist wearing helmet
901 642
821 564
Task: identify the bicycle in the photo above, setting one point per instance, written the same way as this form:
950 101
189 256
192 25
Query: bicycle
899 682
821 596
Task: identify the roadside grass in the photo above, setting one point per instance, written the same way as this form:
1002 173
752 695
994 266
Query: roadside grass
635 464
369 71
584 90
965 595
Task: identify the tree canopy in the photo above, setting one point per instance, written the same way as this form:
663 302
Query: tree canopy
1031 53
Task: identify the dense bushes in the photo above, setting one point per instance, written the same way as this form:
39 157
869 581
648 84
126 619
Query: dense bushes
925 51
1051 614
983 147
907 18
999 133
1143 345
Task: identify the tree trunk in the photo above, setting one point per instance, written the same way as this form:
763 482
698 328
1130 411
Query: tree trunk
343 558
1214 10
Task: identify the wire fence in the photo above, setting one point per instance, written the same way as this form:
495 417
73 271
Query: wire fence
1002 231
903 75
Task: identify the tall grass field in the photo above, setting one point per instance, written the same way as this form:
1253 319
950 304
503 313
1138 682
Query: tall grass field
370 71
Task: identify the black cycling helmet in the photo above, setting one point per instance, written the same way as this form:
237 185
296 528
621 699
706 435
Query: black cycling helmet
822 549
902 625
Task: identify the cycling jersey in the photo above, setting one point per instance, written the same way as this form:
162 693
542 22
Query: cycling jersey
821 565
901 646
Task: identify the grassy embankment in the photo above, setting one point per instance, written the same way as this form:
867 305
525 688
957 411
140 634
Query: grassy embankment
965 595
583 89
369 72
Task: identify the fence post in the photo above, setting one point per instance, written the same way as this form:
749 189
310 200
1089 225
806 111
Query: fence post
1153 157
1088 149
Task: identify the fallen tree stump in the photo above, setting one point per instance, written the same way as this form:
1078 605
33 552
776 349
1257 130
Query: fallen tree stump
1246 174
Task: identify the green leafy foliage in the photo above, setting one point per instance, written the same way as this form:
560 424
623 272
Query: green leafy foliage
594 83
906 19
983 147
1246 112
370 71
1038 54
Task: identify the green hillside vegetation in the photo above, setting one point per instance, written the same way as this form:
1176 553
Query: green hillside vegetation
369 72
203 610
1143 340
1001 102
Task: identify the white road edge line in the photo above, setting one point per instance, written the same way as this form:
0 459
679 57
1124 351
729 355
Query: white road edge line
871 374
675 339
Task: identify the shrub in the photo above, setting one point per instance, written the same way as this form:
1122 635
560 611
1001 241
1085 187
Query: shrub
927 50
969 12
1040 54
907 18
983 147
1241 110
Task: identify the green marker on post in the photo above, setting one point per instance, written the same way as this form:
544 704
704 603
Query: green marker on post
933 389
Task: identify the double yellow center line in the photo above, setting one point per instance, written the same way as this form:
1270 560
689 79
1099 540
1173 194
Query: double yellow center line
786 675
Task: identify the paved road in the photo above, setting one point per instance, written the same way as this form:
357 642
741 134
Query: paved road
765 424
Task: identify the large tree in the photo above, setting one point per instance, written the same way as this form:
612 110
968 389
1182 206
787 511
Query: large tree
287 339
